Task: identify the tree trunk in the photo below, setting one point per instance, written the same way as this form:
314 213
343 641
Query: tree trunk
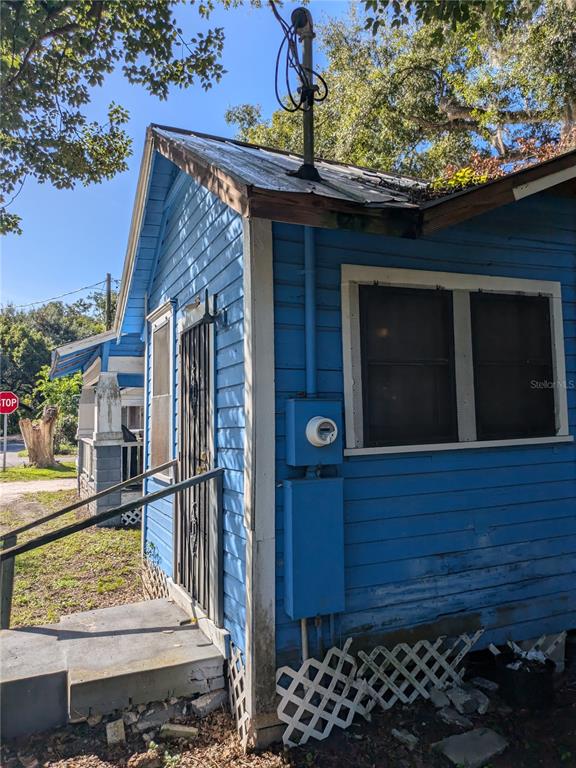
39 437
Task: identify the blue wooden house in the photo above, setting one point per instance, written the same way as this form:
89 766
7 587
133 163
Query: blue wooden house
388 381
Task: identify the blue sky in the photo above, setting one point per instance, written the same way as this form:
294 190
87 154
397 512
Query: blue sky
73 237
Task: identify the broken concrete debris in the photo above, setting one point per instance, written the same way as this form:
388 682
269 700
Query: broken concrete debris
439 698
130 717
94 719
482 701
468 700
209 702
406 738
472 749
451 717
115 733
486 685
463 700
155 718
175 731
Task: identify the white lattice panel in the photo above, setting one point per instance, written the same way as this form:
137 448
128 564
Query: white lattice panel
407 672
547 644
319 696
237 685
133 517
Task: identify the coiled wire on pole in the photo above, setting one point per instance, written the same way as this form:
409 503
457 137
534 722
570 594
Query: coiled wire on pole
307 93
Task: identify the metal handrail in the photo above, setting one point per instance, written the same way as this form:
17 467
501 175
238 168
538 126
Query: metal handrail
61 533
88 499
11 549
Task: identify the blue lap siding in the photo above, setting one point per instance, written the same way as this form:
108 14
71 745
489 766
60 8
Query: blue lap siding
198 245
450 540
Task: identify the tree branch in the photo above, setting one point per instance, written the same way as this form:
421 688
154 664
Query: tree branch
37 43
455 112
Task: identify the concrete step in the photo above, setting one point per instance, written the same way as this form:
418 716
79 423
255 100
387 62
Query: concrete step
33 682
100 661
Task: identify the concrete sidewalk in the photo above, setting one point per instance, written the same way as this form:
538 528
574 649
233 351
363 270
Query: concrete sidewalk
10 492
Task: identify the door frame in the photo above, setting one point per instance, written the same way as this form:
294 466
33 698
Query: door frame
193 314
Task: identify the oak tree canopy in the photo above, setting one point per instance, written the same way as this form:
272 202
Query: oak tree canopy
428 87
54 52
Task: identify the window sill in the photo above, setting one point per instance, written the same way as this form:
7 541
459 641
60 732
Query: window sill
389 449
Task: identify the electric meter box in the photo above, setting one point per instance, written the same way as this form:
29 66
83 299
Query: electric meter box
313 547
313 432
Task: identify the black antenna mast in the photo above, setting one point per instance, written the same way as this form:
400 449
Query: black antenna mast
300 30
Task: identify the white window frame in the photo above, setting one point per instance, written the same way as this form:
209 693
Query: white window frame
156 319
460 285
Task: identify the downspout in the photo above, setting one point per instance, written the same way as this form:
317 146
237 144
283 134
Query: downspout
310 310
311 367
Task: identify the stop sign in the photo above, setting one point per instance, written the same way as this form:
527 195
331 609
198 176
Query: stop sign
9 402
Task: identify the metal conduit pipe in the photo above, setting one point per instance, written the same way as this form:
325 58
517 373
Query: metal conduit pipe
304 635
310 339
310 310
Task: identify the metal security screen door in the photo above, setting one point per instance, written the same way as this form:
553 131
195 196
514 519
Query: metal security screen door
195 530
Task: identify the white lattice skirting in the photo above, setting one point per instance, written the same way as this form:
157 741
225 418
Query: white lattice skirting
321 695
407 672
237 690
154 580
133 517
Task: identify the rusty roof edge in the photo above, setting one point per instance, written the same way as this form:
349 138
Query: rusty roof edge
424 208
250 191
286 153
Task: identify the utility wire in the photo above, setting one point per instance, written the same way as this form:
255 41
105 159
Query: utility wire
307 93
61 296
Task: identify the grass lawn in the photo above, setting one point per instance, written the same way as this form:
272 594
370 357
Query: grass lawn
65 449
95 568
18 474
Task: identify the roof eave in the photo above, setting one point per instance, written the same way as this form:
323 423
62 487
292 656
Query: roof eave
289 207
229 188
135 228
454 209
313 210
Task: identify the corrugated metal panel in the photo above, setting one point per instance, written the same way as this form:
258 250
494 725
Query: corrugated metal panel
486 535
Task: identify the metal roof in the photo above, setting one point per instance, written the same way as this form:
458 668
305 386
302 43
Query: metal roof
269 169
77 355
256 182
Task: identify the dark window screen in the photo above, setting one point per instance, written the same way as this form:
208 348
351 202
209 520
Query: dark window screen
407 366
512 348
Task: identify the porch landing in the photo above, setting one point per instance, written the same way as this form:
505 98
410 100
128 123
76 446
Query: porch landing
100 661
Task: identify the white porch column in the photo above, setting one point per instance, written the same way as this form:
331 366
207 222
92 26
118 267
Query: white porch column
259 485
86 413
107 409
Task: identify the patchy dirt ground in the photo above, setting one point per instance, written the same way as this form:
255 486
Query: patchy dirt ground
544 739
95 568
